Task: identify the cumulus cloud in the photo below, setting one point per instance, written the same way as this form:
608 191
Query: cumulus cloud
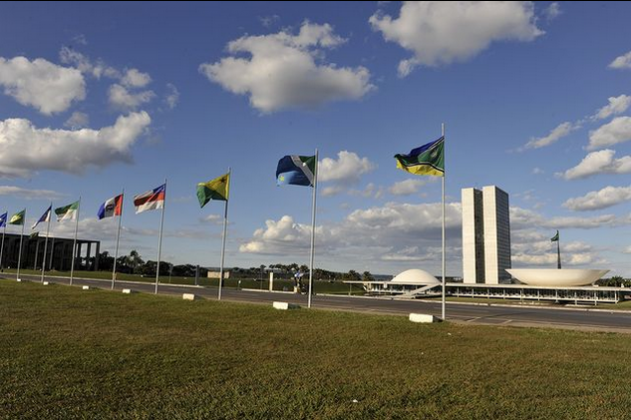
527 219
600 162
555 135
612 133
45 86
86 66
407 187
29 194
440 33
135 78
25 149
616 106
172 97
77 120
553 11
346 170
122 98
621 62
283 71
596 200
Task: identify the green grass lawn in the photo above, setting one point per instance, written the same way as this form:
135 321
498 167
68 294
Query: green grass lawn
66 353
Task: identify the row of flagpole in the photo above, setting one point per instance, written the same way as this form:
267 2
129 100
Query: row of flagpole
292 169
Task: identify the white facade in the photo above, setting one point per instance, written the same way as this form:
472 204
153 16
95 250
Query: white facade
486 250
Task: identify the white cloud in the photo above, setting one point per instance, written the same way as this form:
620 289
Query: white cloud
172 97
444 32
346 170
596 200
45 86
555 135
282 71
122 98
28 194
77 120
617 105
135 78
600 162
621 62
407 187
553 11
269 21
538 171
332 190
526 219
614 132
627 250
85 65
25 149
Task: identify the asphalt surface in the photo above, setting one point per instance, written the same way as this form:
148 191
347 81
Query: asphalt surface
570 318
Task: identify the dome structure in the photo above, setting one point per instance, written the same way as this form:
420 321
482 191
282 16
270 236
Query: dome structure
565 277
415 276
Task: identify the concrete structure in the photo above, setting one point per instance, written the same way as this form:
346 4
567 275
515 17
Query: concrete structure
566 277
215 274
486 252
414 277
58 253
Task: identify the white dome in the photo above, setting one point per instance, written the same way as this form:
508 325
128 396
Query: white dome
415 276
549 277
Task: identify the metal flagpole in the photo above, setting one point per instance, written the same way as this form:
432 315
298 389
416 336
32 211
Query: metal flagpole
17 276
444 284
74 244
118 236
223 242
46 241
313 218
558 254
2 246
160 240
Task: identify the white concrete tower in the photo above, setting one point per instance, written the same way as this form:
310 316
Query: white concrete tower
472 236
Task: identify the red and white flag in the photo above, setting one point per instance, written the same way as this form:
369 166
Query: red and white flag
151 200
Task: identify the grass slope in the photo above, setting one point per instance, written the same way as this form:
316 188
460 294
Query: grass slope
72 354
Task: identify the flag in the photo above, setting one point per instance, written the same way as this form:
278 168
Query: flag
151 200
428 159
555 238
45 217
17 218
217 189
296 170
3 219
68 212
112 207
34 235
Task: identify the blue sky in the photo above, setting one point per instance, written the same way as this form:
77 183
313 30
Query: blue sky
97 97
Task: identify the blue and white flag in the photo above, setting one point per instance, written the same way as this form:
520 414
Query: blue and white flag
296 170
3 219
45 217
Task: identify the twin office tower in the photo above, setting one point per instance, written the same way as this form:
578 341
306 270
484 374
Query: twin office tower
486 249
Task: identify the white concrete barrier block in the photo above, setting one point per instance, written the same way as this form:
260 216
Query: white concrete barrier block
423 318
127 291
45 283
189 296
86 287
283 306
19 280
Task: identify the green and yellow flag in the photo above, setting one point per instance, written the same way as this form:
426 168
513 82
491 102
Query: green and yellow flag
217 189
428 159
18 218
555 238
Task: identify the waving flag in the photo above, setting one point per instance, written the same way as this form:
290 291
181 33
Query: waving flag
151 200
18 218
296 170
428 159
68 212
45 217
112 207
217 189
3 219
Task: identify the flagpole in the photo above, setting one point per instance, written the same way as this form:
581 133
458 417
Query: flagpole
558 254
118 236
443 230
160 240
223 241
17 276
4 231
74 244
50 210
313 219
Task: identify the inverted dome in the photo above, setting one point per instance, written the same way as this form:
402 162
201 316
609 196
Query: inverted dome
549 277
415 276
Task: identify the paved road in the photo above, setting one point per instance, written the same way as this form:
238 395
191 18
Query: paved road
600 320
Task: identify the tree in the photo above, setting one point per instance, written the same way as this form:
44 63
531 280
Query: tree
367 276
